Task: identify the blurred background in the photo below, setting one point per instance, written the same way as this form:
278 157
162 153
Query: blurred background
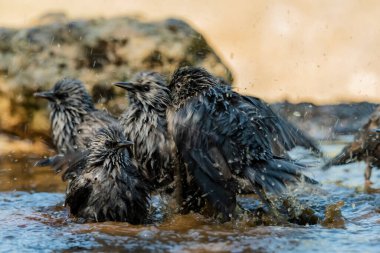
315 62
298 50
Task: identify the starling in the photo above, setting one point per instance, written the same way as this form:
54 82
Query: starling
103 182
284 135
145 124
365 147
73 117
219 142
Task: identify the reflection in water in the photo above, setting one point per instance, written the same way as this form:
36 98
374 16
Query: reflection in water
32 218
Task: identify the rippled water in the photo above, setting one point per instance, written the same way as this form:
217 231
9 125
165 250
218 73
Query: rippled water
32 218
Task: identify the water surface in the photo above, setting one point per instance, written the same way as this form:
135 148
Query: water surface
33 218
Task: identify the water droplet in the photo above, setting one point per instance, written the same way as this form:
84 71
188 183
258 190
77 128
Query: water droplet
297 114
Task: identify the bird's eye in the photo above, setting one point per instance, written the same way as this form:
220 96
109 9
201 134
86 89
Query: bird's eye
61 96
110 144
146 87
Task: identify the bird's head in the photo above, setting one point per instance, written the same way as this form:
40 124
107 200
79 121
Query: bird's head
148 89
189 81
109 145
68 94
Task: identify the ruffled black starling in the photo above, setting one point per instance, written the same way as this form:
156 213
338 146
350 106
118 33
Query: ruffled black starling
103 182
219 142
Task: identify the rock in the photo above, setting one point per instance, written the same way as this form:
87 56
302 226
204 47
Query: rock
98 52
333 216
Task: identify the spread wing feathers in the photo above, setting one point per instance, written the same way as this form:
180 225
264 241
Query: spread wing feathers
50 161
365 143
282 131
69 165
217 139
273 175
349 154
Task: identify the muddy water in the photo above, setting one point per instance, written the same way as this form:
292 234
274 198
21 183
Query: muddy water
32 218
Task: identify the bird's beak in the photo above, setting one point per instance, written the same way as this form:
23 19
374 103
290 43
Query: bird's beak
124 144
129 86
45 94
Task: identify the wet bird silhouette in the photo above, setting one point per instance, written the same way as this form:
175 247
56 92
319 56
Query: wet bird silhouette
73 117
219 142
365 147
145 124
103 182
284 135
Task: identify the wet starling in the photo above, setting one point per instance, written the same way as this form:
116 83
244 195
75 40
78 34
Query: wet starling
73 116
103 183
219 141
145 124
284 135
365 147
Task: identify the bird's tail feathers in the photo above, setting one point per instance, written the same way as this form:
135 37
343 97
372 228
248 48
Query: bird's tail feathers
296 137
274 175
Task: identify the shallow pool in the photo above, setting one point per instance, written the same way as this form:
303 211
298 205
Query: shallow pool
32 218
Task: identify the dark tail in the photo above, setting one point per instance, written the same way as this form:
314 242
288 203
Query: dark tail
274 175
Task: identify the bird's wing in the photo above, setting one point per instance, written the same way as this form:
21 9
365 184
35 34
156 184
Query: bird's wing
69 165
217 139
78 193
211 136
365 142
72 167
250 137
218 133
283 133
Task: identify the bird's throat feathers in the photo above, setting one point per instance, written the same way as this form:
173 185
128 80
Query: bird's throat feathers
64 123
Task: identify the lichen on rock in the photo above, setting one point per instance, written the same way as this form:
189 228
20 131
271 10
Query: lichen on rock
98 52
